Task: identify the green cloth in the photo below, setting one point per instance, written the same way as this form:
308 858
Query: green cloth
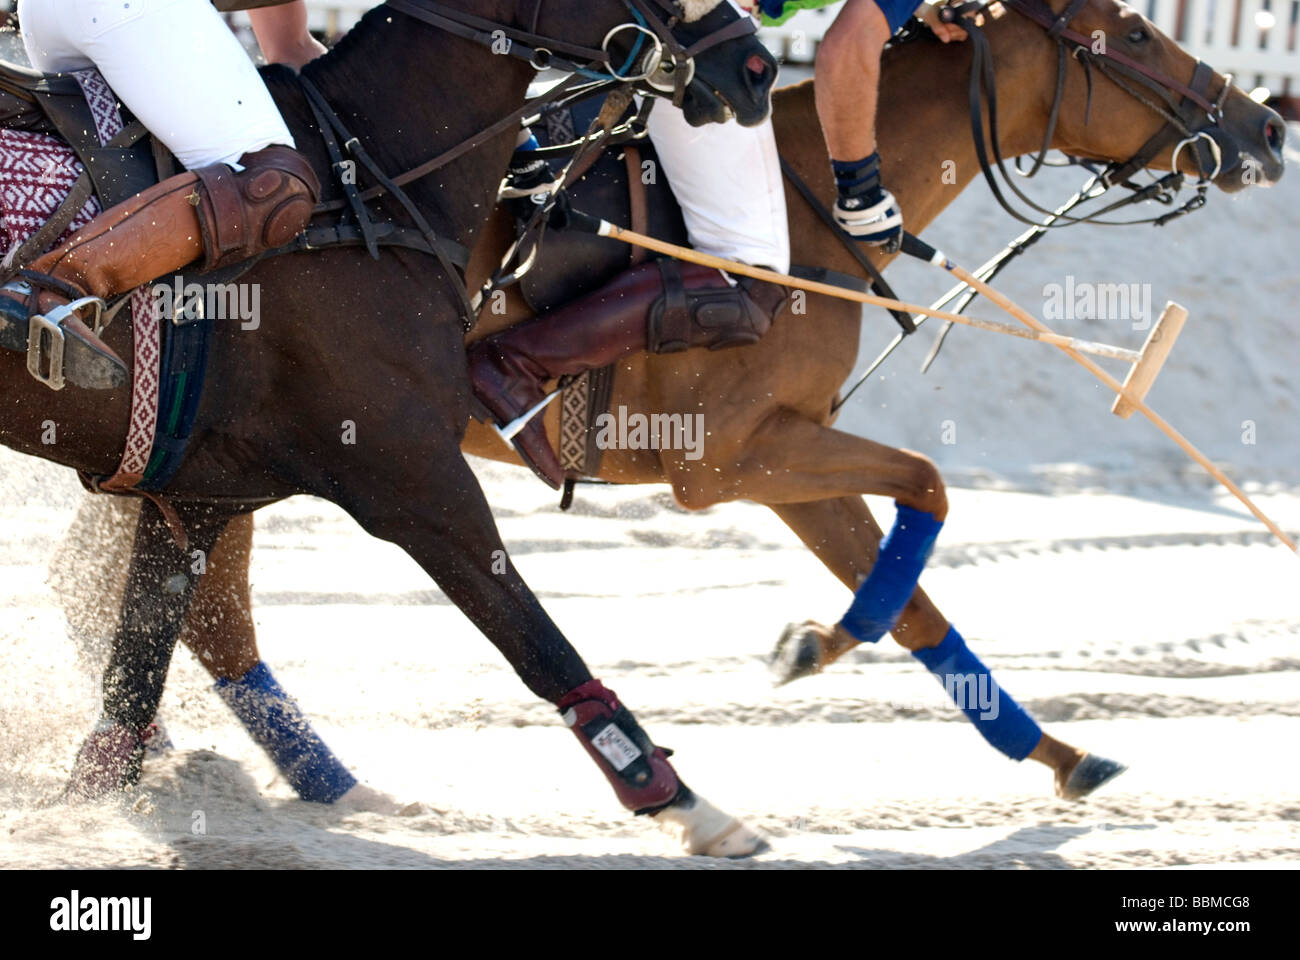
795 6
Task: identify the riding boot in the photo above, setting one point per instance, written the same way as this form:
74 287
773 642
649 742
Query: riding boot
213 212
661 307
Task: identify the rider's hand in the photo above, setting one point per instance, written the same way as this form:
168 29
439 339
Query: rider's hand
879 224
946 32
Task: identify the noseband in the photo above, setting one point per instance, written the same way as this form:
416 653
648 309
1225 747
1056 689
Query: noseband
1188 112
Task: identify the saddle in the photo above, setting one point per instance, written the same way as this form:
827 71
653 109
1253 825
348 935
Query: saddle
57 104
572 263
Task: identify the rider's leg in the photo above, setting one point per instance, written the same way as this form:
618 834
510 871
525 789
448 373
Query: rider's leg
727 179
204 99
174 63
661 307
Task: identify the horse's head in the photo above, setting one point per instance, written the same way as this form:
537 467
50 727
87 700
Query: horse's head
703 52
1150 96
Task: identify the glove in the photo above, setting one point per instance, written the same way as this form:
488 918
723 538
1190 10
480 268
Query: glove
866 210
879 224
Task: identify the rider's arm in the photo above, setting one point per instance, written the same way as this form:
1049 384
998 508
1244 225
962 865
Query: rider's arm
282 34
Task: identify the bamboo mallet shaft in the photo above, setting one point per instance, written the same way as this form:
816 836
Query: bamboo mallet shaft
607 229
814 286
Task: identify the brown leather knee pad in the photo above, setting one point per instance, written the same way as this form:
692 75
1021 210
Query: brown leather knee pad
262 207
699 308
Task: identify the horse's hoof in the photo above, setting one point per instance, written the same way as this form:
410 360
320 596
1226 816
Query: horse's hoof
1090 773
799 652
705 831
108 761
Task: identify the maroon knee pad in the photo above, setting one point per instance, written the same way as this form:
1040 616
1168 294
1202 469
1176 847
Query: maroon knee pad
639 772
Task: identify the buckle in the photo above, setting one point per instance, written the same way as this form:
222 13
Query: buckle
648 63
46 340
38 358
663 78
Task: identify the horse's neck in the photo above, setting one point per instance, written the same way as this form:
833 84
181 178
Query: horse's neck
400 86
923 120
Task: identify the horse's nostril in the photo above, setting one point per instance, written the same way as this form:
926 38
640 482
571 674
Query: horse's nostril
756 65
1275 135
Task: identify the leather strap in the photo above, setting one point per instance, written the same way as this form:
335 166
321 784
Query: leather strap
882 288
640 215
672 333
228 224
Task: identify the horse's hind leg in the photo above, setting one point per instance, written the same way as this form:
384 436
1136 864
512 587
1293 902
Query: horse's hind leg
445 524
218 628
160 582
845 537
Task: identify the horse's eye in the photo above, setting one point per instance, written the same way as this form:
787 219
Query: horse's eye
1138 35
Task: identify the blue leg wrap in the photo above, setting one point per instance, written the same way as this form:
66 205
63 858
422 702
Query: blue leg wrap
879 602
1000 720
277 723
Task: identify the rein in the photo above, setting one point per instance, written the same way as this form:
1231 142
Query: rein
537 51
1181 119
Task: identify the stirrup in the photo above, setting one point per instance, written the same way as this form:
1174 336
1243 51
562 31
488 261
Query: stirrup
39 357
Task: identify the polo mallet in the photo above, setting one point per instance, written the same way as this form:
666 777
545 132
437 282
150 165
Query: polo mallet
1146 362
1136 385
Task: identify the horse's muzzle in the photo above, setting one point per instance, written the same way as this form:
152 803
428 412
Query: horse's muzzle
1252 137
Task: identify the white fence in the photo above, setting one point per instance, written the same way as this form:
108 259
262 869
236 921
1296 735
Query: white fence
1254 39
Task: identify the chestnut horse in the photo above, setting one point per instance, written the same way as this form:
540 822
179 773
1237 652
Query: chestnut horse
769 407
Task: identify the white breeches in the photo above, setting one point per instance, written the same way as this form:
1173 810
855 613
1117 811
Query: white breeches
727 179
174 63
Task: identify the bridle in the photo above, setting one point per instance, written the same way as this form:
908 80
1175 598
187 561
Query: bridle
656 58
1189 114
656 61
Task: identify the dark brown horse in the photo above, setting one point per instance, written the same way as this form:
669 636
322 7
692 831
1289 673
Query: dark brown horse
353 388
769 406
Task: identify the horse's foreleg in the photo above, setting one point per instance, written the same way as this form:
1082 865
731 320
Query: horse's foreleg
789 457
447 527
846 538
160 583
